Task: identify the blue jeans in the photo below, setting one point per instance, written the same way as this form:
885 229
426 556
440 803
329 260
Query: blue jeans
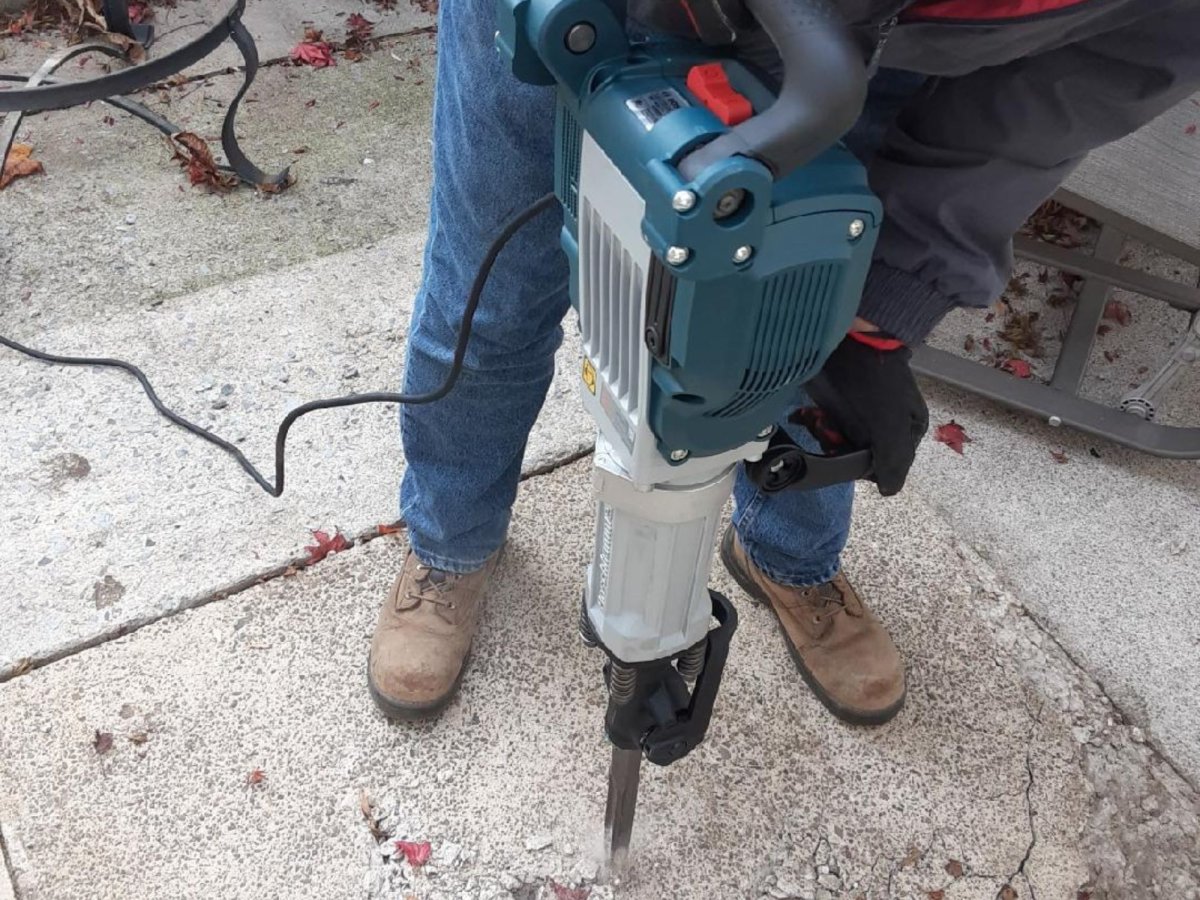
493 156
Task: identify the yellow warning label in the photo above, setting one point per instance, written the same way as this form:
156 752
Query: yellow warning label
589 375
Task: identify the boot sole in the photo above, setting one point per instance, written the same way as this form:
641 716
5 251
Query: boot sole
847 714
400 711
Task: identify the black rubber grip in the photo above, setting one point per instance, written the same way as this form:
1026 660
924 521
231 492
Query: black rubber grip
823 91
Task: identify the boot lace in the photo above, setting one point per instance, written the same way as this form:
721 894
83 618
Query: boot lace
431 584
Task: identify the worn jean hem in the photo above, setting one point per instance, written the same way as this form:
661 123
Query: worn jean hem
453 565
791 580
445 564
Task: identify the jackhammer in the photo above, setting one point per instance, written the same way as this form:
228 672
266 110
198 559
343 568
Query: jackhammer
719 237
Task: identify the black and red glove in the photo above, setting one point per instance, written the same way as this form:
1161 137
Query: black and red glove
867 394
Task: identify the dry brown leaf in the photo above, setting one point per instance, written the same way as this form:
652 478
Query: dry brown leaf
194 157
23 665
138 737
368 813
954 868
911 858
20 164
1007 893
102 742
1022 331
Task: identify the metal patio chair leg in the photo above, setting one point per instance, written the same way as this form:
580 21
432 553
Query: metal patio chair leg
1058 402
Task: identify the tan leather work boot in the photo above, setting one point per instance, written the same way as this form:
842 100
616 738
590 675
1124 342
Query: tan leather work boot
422 638
841 649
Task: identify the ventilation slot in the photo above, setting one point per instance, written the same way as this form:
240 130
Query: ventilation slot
570 146
610 307
791 323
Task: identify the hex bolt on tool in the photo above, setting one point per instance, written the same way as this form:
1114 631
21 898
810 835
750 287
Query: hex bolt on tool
719 237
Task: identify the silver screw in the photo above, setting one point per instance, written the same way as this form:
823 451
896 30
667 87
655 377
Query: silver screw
581 37
767 432
742 253
857 227
677 256
683 201
678 455
1054 421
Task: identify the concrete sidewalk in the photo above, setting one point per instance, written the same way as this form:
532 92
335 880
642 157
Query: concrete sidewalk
995 570
993 769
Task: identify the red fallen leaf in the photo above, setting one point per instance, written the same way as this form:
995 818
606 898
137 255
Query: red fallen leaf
22 23
1117 312
952 435
102 742
1087 895
389 529
325 545
1007 893
987 344
562 892
1103 330
374 104
1191 129
358 29
937 895
1059 457
20 164
954 869
416 852
1017 367
989 317
313 51
969 343
353 55
255 778
139 12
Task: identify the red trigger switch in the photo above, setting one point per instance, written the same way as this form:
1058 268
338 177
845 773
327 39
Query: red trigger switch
711 86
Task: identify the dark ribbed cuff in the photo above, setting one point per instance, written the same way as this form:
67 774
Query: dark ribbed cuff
902 304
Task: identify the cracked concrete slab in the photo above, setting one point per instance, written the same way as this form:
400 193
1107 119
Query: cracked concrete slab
239 308
1101 547
980 781
124 517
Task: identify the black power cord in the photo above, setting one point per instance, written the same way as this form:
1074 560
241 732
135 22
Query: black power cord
276 489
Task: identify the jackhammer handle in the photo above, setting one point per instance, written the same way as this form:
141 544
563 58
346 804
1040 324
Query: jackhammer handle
823 91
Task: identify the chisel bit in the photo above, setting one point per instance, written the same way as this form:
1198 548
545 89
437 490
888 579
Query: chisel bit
623 777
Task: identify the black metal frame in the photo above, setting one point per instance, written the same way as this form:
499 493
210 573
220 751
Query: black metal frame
1058 402
42 93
